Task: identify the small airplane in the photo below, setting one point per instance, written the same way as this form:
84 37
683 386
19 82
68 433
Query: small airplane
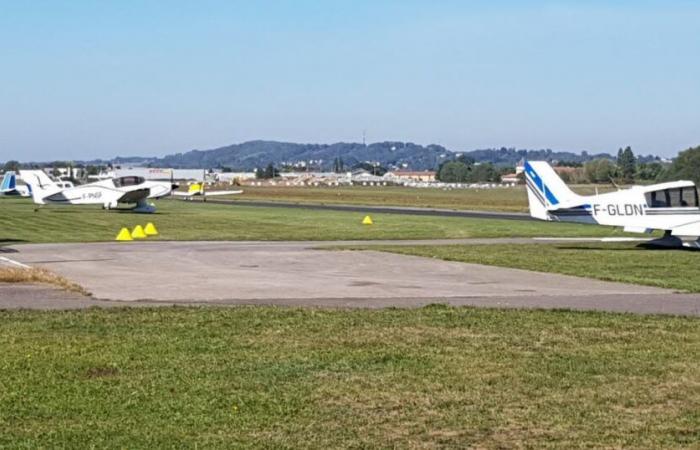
9 186
197 190
108 193
670 207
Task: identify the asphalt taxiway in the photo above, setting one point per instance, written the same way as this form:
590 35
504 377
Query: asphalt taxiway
307 274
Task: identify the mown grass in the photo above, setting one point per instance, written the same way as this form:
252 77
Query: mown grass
513 199
624 262
500 199
178 220
305 378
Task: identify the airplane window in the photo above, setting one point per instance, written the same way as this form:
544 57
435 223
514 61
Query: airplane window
686 197
658 199
674 197
689 197
127 181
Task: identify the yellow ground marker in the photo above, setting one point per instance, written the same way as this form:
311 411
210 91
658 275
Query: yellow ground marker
150 229
367 221
124 235
138 233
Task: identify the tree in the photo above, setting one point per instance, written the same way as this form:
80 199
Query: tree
649 171
338 165
483 173
465 160
453 172
269 172
599 170
71 178
11 166
686 166
626 164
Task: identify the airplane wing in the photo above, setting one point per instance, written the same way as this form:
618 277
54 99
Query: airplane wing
205 193
134 196
215 193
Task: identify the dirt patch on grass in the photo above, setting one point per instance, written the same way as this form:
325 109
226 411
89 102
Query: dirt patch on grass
35 275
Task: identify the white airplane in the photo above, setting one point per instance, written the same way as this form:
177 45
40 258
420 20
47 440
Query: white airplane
108 193
197 190
671 207
9 186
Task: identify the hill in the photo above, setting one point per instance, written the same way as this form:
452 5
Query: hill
256 154
252 154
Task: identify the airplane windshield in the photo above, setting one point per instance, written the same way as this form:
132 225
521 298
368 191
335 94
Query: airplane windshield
127 181
673 198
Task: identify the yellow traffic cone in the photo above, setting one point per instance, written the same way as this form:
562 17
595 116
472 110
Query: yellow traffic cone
150 229
367 221
138 233
124 235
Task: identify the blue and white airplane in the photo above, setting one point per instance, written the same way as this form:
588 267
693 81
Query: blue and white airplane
9 186
671 207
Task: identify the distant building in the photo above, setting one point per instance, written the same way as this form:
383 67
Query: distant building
511 178
230 177
162 174
408 175
63 172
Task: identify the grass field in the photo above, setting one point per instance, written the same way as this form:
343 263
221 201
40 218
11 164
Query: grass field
289 378
501 199
178 220
675 269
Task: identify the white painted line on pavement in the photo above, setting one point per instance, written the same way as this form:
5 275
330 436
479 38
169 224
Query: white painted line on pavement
624 239
12 262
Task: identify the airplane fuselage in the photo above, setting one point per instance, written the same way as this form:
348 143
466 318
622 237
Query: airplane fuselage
108 193
673 207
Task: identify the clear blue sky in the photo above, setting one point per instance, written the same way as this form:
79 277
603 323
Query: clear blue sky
84 79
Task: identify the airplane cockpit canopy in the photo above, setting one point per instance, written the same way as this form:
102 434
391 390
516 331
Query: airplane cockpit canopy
680 197
128 181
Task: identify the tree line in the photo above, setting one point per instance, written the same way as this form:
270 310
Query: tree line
464 169
627 169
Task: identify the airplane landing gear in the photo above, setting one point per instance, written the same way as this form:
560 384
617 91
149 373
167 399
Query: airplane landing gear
668 241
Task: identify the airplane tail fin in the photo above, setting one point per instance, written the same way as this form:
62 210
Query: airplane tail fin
9 182
545 189
40 185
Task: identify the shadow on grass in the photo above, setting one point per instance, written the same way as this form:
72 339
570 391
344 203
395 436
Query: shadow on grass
72 209
646 246
638 247
5 242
